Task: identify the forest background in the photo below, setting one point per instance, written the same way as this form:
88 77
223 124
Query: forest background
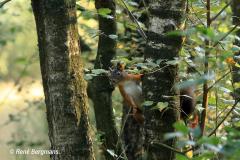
22 108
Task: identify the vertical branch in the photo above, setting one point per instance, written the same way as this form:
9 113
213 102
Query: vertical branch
206 68
216 103
100 89
132 131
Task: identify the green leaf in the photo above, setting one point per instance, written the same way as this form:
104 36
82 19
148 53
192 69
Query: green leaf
160 106
206 31
210 140
181 127
113 36
173 135
87 14
99 71
80 8
148 103
181 157
100 136
104 12
22 60
88 77
173 62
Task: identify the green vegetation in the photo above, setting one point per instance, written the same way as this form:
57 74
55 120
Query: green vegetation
208 60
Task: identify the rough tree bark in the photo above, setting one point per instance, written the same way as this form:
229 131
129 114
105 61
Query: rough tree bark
62 76
100 87
236 21
133 134
158 86
235 74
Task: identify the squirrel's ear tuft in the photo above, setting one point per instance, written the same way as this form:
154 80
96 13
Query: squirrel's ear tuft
120 66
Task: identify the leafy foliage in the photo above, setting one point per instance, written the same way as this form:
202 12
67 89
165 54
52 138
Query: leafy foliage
17 51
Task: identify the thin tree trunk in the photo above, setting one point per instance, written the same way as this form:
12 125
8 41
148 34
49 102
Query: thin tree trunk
206 70
100 88
62 76
133 134
158 86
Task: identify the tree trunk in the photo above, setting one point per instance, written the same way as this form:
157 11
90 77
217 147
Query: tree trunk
100 88
236 21
133 134
235 73
62 76
158 86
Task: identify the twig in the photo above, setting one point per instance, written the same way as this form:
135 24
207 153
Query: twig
17 81
3 3
168 147
121 131
123 153
216 103
18 114
219 13
134 20
233 107
218 80
193 68
227 34
222 111
197 16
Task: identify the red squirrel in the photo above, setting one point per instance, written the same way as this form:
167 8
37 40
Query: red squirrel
131 91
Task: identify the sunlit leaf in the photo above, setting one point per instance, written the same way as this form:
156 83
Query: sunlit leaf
104 12
113 36
173 135
148 103
112 153
181 127
99 71
160 106
88 77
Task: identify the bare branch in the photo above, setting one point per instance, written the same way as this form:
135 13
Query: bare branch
219 13
195 14
231 110
227 34
193 68
3 3
218 80
168 147
141 31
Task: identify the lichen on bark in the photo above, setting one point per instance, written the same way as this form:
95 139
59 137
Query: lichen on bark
159 86
62 76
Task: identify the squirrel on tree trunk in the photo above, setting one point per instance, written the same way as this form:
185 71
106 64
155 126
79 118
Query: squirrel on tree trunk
131 91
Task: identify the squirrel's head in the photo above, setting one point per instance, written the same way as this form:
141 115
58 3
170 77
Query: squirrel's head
117 73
